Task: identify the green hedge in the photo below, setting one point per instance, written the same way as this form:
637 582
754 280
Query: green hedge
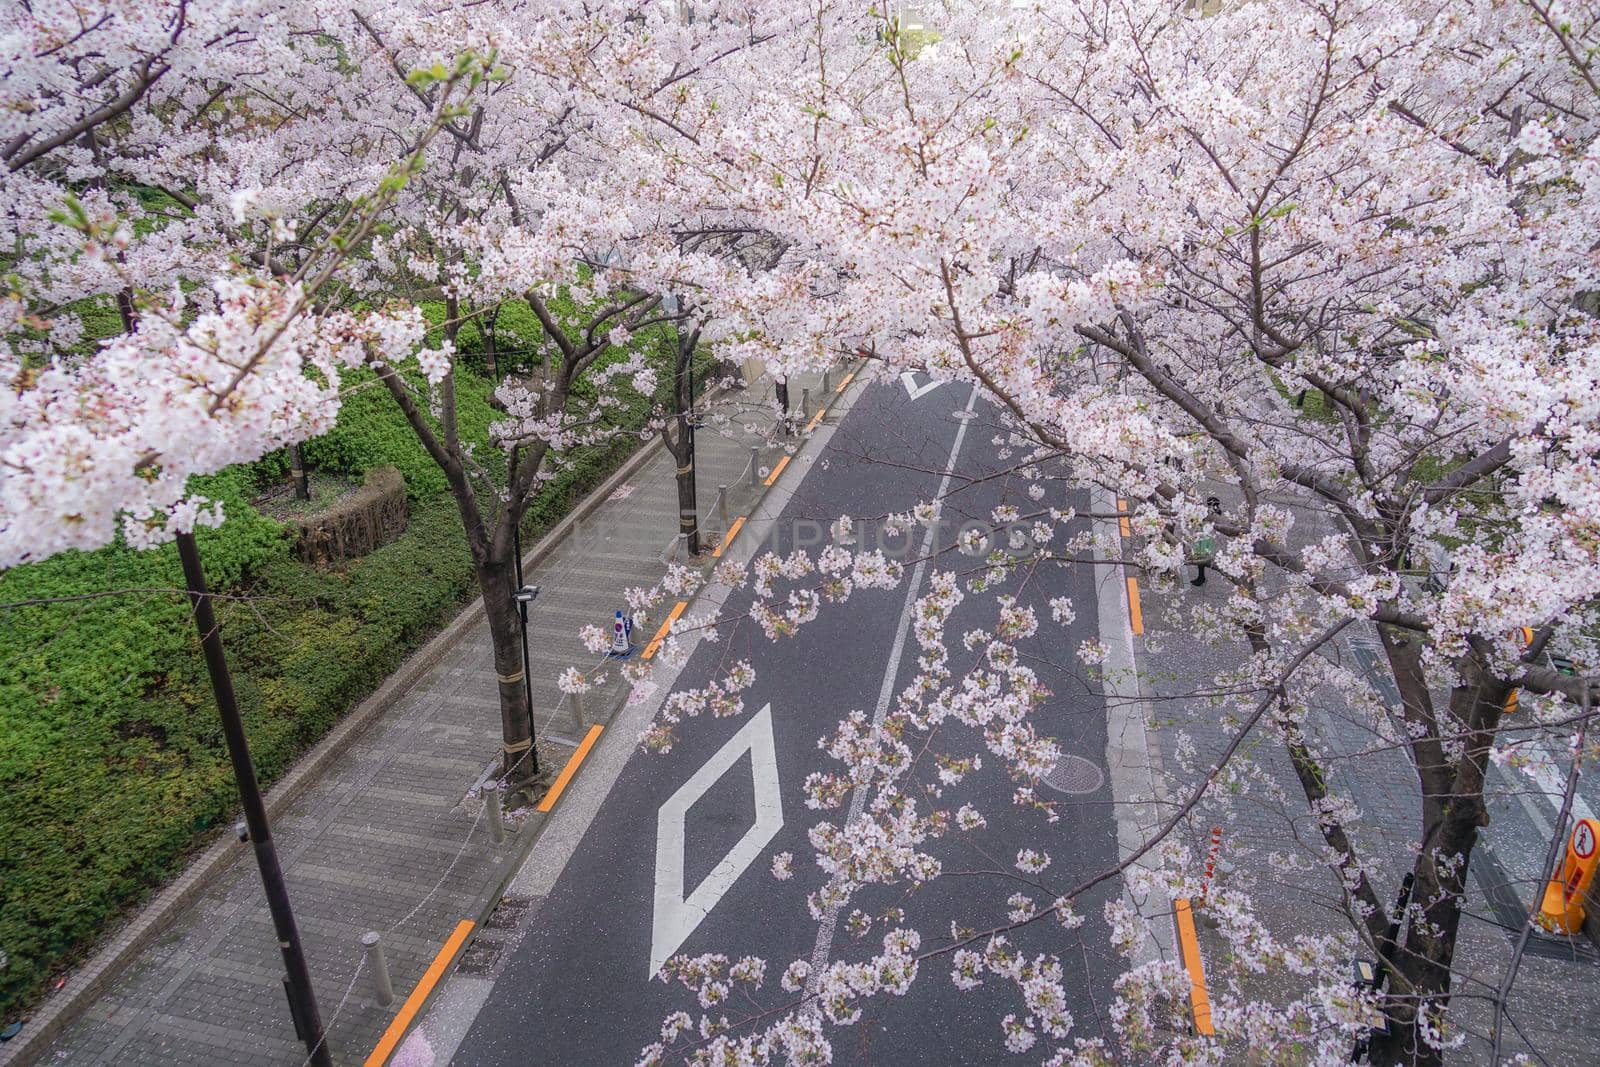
111 757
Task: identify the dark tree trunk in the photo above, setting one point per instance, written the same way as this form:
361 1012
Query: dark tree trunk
125 308
297 473
496 581
1453 812
491 351
688 511
683 448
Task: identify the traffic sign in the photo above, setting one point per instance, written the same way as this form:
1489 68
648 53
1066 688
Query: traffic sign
1583 839
1562 908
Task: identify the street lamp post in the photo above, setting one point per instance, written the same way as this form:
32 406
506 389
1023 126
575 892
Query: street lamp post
297 983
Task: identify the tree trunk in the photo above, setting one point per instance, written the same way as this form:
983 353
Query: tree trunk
297 474
1419 987
688 510
683 450
496 581
491 349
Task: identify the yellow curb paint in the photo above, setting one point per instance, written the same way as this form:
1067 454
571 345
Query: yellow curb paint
661 634
812 425
1135 613
408 1010
727 538
782 463
1189 941
571 768
848 378
1122 517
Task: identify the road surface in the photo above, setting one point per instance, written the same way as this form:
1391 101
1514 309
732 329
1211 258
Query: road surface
678 857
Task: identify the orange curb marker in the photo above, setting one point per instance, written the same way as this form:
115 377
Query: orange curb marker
848 378
1190 943
727 538
1122 520
661 634
571 768
782 463
408 1010
1135 613
812 425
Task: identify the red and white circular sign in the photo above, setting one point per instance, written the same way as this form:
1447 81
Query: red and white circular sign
1583 840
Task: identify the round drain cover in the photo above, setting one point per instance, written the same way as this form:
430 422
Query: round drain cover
1074 774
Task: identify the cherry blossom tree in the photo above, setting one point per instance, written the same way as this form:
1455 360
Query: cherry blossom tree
521 209
1144 232
143 201
1331 264
318 170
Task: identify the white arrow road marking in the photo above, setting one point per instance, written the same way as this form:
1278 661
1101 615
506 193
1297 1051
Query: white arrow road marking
913 390
676 915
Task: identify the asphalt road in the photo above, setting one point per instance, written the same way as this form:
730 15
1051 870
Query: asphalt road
578 988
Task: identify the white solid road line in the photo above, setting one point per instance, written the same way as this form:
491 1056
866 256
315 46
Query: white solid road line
677 915
858 797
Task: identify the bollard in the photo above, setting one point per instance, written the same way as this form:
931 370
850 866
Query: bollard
805 405
1211 863
577 713
491 805
722 508
827 380
379 965
1561 910
755 466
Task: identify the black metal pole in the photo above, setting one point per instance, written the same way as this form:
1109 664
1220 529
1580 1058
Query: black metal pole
527 678
302 1001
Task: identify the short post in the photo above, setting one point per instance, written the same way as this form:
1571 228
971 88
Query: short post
380 966
577 712
722 508
827 380
491 811
1211 864
805 405
755 466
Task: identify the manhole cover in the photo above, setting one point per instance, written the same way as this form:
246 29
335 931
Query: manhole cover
1074 774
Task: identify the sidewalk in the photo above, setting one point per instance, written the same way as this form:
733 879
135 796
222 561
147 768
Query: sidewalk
384 831
1559 980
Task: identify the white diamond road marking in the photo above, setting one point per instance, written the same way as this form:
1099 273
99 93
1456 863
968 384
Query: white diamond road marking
913 390
677 915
